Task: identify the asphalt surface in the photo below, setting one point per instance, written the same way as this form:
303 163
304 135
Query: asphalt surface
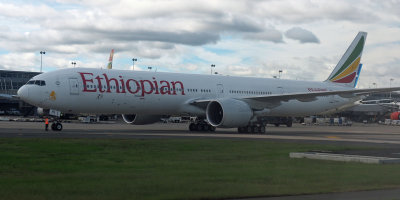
385 138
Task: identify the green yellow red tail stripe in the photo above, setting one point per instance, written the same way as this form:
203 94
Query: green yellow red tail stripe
346 70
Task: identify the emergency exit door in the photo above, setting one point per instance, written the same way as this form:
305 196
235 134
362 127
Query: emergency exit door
73 86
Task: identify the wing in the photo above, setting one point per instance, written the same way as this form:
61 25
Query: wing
311 96
271 101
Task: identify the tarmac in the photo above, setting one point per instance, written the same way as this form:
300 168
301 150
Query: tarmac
387 138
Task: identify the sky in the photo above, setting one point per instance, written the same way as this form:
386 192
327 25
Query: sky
303 38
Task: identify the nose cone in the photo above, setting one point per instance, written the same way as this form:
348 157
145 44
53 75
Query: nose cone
23 93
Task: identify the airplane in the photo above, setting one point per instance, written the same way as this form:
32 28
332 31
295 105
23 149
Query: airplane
143 97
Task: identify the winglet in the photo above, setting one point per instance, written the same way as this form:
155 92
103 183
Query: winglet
109 66
348 67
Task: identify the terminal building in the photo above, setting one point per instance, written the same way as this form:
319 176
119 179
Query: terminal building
10 82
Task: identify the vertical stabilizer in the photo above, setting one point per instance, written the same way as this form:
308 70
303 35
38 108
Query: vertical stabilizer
109 66
348 68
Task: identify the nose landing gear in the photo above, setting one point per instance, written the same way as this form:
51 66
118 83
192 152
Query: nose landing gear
56 126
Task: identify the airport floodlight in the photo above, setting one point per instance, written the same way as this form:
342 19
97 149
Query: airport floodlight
212 65
149 68
133 63
41 53
73 64
390 85
280 72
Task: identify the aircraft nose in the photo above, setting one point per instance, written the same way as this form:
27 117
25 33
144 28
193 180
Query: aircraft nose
23 93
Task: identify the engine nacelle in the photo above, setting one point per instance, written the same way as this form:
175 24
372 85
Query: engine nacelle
228 113
141 119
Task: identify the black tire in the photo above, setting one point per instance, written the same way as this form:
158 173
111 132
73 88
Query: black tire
58 127
248 129
276 125
289 124
53 126
212 128
262 129
254 129
199 127
192 127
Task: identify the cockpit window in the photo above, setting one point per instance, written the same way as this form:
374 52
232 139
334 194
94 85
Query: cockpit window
36 82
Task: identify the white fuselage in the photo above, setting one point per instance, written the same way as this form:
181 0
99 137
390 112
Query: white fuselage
103 91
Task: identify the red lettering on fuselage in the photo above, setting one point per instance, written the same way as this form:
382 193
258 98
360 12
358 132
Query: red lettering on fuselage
84 81
128 85
132 86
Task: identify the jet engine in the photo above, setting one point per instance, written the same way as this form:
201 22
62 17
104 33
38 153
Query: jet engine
228 113
141 119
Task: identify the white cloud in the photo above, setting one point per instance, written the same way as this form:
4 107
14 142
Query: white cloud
166 33
302 35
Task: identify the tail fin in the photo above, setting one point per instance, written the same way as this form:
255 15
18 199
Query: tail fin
348 68
109 66
358 74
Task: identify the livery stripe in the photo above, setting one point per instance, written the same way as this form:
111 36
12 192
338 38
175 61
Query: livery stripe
356 53
350 69
347 79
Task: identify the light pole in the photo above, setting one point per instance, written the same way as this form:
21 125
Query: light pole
133 63
280 72
212 65
41 53
374 85
390 85
73 64
149 68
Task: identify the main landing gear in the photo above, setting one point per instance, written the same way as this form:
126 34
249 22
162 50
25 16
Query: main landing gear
56 126
252 129
202 126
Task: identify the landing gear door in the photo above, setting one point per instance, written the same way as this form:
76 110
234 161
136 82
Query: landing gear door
73 86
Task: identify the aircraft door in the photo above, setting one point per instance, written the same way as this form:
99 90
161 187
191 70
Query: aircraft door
73 86
220 90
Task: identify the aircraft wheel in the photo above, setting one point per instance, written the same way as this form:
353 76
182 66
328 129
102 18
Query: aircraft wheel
248 129
212 128
198 127
53 126
276 125
289 124
58 127
192 127
262 129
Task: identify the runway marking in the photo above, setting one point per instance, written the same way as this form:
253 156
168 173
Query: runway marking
311 138
333 137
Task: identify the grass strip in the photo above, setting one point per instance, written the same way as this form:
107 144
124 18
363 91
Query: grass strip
175 169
